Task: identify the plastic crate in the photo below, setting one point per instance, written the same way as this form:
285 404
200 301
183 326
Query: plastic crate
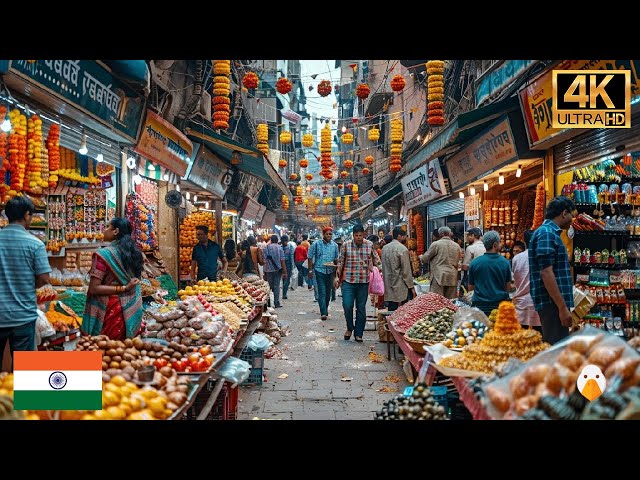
255 358
255 377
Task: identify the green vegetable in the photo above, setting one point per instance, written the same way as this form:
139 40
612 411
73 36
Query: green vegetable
167 283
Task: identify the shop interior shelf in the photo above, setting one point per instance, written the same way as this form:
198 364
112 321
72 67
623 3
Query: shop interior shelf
603 233
624 179
606 266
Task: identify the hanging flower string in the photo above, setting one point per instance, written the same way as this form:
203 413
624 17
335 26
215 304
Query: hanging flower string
285 137
304 163
325 153
374 134
17 151
282 163
262 132
324 88
53 149
396 145
398 83
283 85
435 92
307 140
4 160
347 138
363 91
250 81
221 92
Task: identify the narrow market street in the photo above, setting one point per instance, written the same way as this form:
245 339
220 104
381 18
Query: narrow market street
325 377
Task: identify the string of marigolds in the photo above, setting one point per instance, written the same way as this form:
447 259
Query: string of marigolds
307 140
396 145
17 151
374 134
53 149
325 153
435 92
285 202
262 133
34 182
4 160
221 94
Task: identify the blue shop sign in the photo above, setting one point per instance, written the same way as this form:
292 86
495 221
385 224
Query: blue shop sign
496 80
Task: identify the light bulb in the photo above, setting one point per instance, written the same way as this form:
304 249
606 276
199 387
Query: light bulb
418 138
188 196
195 198
83 144
206 205
100 158
166 177
472 190
518 172
344 129
137 179
152 167
461 194
6 124
486 186
501 179
177 188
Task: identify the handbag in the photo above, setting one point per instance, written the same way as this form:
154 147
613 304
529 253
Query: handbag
376 284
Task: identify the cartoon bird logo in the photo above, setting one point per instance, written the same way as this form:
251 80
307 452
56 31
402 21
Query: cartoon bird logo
591 382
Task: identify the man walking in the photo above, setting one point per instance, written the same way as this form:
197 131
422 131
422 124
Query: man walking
205 255
357 259
490 275
443 256
299 257
275 268
321 253
475 248
549 273
24 266
305 242
525 310
396 272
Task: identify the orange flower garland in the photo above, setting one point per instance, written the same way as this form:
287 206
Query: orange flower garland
538 213
417 223
374 134
347 138
348 164
285 202
282 163
324 88
365 171
347 203
398 83
17 151
4 160
285 137
309 176
283 85
250 81
435 92
338 204
221 91
369 159
307 140
325 153
262 133
304 163
293 177
344 174
34 182
396 146
363 91
354 191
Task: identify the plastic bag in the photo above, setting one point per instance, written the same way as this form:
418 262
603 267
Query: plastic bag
55 277
235 371
293 283
469 314
259 341
376 284
44 328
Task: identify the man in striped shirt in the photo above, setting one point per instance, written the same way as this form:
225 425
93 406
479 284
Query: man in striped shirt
357 259
549 274
24 266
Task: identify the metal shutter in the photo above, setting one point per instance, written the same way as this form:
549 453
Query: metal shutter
446 208
594 144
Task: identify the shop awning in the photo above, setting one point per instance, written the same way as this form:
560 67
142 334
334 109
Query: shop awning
253 160
460 131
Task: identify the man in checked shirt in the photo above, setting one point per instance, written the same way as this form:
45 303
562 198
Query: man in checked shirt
549 272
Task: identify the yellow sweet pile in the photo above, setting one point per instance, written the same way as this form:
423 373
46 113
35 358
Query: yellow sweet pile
219 288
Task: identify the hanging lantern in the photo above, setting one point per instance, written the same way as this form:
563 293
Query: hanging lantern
374 134
369 159
397 83
344 174
309 176
363 91
293 177
285 137
282 163
307 140
348 164
283 85
435 92
250 81
324 88
347 138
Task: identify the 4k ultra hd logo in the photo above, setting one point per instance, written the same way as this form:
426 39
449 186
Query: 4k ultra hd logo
591 99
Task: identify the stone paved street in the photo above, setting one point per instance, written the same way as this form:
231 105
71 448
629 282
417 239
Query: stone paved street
319 366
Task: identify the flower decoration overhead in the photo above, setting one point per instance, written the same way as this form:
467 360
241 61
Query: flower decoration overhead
307 140
221 91
285 137
324 88
348 164
374 134
366 171
282 163
285 202
354 191
347 138
325 153
344 174
396 145
435 92
398 83
309 176
304 163
340 186
283 85
369 159
293 177
262 132
363 91
250 81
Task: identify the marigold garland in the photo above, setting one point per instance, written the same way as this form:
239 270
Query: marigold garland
221 92
435 92
369 159
324 88
35 183
250 80
347 138
309 176
397 136
283 85
282 163
262 134
344 174
17 151
348 164
304 163
354 191
307 140
293 177
285 202
325 153
374 134
4 161
365 171
363 91
398 83
285 137
435 106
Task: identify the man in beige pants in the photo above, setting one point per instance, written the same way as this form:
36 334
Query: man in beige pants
443 257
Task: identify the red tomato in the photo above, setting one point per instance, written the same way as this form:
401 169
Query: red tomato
160 362
201 366
193 358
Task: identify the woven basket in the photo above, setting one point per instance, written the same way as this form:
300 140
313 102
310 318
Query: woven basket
418 344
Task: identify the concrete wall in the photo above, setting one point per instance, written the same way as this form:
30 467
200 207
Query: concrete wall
168 231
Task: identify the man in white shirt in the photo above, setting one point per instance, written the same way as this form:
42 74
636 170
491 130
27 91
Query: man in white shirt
474 249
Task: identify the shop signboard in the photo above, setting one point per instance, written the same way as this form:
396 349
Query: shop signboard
496 80
424 184
209 172
488 152
536 99
251 210
164 144
90 87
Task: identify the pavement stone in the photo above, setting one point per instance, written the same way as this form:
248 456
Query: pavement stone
318 359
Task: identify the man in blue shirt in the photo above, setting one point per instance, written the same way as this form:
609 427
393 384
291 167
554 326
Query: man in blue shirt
549 272
275 268
490 275
321 253
205 256
24 266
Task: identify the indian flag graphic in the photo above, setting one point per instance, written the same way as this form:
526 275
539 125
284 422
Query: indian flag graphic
57 380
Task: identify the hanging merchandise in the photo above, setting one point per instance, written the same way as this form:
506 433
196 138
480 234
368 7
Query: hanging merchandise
309 176
338 204
143 219
398 83
324 88
435 92
285 137
354 191
538 216
285 202
188 238
221 92
282 163
283 85
53 150
5 166
374 134
369 160
34 182
348 164
396 145
366 171
304 163
347 203
228 227
307 140
262 134
86 215
417 223
250 81
347 138
17 151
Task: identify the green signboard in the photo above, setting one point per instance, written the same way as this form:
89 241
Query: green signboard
89 86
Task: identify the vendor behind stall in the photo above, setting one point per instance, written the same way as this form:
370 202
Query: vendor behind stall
205 256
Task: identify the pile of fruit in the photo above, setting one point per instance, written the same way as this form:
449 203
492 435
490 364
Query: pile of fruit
419 406
493 316
409 313
507 340
433 327
466 334
220 288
